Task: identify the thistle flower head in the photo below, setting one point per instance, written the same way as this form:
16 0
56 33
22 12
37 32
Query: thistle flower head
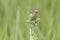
35 12
33 18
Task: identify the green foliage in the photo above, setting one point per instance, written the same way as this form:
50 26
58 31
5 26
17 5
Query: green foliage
13 14
32 18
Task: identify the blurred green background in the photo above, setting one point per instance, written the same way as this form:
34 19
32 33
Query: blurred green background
13 14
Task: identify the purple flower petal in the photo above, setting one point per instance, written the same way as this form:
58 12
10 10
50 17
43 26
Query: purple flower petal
35 11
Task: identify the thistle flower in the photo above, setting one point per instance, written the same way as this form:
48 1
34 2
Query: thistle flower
35 12
33 18
33 21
